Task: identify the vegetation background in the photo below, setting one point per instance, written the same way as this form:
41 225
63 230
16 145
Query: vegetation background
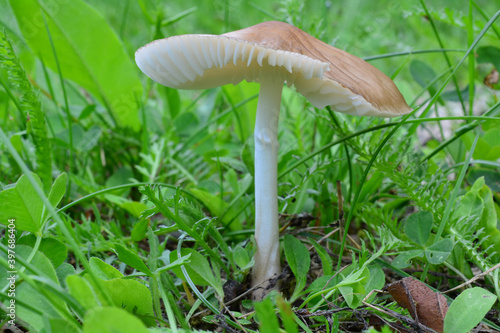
83 131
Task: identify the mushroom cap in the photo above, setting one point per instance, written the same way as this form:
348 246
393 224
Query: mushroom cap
274 50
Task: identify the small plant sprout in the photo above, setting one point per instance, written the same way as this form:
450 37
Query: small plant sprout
272 53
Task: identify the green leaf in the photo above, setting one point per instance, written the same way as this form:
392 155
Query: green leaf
299 260
467 310
247 158
241 258
132 296
82 291
57 191
53 248
139 231
326 261
198 269
403 259
93 57
438 252
489 54
131 259
268 321
102 270
22 204
352 287
287 315
217 207
418 227
62 325
112 320
27 294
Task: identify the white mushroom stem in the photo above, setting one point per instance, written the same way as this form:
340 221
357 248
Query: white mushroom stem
267 257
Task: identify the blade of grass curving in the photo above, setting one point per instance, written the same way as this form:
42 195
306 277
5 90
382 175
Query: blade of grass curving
52 94
426 88
193 136
118 187
472 69
483 14
263 11
60 223
348 157
65 96
448 62
178 17
236 115
378 127
124 18
464 129
404 53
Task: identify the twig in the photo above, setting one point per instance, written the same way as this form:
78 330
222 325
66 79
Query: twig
477 277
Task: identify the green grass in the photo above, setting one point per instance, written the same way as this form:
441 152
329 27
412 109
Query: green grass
133 202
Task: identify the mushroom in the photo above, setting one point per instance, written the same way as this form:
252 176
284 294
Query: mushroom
272 53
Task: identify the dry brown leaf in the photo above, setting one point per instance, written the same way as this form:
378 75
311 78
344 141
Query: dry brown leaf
425 306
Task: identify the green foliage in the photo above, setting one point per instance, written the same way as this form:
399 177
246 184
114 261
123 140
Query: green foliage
298 258
475 302
268 321
157 188
86 53
22 204
29 106
112 320
198 269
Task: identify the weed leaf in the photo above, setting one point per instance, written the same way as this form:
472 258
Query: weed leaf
110 319
467 310
418 227
299 260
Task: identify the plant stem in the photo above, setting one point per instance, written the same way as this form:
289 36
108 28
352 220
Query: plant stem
267 258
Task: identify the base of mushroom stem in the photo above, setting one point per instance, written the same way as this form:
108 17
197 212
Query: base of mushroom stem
264 288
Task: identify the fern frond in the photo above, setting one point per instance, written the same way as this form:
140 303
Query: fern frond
31 106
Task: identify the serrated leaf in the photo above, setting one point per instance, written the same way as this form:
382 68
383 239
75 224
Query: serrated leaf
468 309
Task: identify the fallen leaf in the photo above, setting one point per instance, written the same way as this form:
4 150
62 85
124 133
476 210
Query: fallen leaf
425 306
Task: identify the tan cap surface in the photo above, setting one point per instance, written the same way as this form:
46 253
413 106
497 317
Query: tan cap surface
274 50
